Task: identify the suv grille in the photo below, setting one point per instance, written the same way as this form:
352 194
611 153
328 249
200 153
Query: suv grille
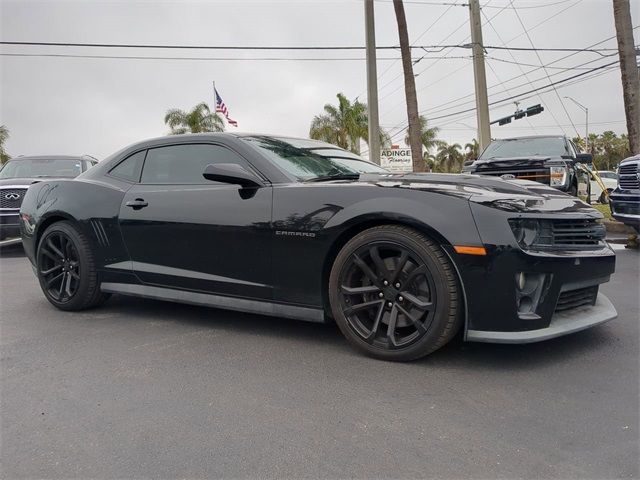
8 197
628 175
577 298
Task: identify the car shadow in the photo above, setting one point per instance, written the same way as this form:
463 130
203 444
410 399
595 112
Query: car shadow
456 354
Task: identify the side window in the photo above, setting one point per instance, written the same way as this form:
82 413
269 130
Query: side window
184 164
129 169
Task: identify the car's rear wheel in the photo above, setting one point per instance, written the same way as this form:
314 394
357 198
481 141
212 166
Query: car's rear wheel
394 294
66 268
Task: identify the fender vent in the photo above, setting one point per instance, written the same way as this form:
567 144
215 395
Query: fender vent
101 235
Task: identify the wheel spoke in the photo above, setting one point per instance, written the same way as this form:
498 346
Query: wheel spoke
383 271
362 306
416 302
55 249
64 277
402 261
67 288
391 328
74 275
376 324
416 321
51 270
367 271
53 279
421 270
51 255
359 290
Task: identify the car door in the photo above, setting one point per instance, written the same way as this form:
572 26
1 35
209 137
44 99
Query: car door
183 231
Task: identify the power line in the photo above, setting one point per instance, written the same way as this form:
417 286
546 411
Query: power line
544 67
577 77
270 59
282 47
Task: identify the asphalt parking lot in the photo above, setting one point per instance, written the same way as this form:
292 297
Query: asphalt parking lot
141 388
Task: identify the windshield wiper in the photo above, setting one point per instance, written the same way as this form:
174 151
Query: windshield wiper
335 176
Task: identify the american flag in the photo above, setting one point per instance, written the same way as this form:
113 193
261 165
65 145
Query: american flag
222 108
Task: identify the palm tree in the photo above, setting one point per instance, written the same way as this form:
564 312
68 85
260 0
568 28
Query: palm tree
449 157
4 136
198 119
343 125
473 149
428 139
409 88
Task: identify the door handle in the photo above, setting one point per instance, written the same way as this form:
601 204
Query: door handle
137 204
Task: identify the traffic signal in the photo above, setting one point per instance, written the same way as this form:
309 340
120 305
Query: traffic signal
536 109
519 114
504 121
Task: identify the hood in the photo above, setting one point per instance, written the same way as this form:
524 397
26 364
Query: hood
523 196
14 182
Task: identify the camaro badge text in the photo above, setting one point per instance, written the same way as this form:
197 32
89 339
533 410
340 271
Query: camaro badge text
295 234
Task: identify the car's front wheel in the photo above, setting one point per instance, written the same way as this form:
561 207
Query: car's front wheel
66 268
394 293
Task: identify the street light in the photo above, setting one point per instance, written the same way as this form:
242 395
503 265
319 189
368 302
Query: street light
586 123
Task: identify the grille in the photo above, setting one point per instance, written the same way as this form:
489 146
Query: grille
577 298
11 202
577 233
628 175
540 175
559 234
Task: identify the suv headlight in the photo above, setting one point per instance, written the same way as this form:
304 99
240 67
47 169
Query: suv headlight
558 176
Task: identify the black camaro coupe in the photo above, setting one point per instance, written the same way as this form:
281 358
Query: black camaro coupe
302 229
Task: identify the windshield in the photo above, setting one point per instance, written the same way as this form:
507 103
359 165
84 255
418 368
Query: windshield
526 147
314 160
41 167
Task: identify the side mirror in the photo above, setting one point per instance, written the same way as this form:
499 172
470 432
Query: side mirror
231 173
584 158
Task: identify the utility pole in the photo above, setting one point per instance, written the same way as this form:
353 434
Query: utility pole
586 121
629 71
482 101
413 116
372 83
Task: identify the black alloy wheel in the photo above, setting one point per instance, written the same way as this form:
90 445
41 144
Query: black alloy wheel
59 266
393 293
66 268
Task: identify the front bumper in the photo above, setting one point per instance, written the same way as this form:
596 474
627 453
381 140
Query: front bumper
562 323
625 207
9 225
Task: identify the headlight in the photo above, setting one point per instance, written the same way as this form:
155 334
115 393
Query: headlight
558 176
525 231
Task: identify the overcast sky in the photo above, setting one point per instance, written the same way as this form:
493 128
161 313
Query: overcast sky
59 105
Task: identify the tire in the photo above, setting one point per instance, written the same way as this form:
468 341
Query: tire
604 198
417 310
573 190
66 268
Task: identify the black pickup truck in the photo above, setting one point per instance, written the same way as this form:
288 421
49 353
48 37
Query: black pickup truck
625 199
551 160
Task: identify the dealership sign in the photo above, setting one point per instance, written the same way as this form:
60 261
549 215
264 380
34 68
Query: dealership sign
396 159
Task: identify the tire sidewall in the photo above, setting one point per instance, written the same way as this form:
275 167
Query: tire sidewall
86 267
443 296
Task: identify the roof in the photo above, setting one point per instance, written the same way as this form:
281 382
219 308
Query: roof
49 157
532 136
